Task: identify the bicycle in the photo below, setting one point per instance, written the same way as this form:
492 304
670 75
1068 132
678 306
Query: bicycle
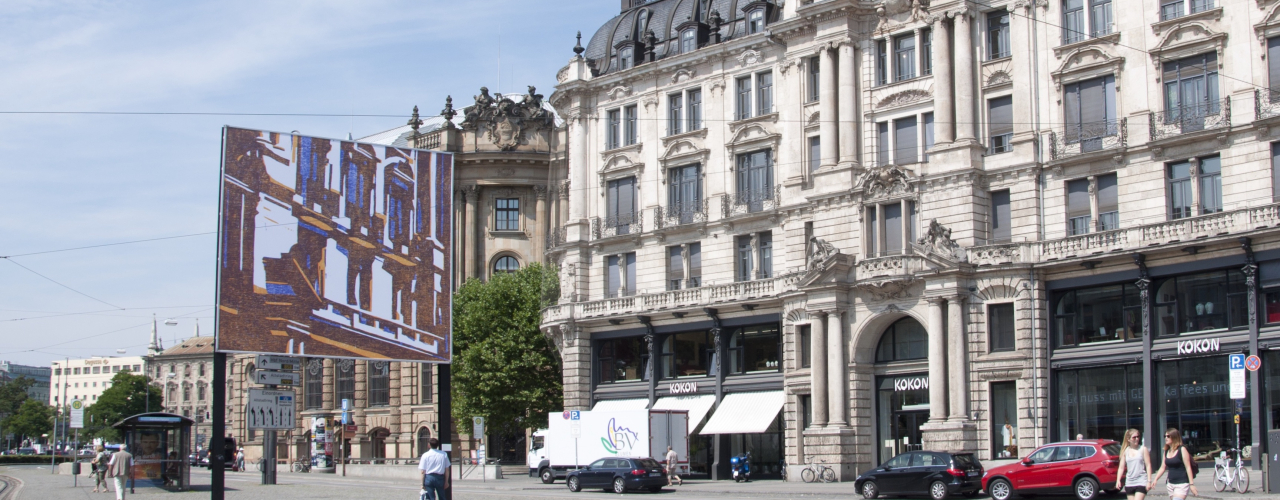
1226 475
302 466
262 464
817 470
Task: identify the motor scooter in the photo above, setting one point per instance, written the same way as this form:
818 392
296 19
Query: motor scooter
741 466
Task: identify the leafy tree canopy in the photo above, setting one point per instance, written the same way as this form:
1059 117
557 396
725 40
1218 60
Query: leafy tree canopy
31 420
13 393
126 397
504 368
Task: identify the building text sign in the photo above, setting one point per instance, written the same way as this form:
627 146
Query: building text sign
1199 346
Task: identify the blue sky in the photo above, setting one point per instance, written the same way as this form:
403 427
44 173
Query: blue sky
80 179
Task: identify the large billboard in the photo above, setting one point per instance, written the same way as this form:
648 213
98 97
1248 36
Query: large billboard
334 248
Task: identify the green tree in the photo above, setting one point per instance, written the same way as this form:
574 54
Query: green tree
126 397
504 368
13 392
32 419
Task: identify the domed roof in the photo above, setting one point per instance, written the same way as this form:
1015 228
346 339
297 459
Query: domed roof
663 16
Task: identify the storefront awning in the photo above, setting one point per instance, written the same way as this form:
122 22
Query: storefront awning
621 404
698 405
745 413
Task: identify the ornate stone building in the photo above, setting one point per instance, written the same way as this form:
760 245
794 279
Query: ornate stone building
845 230
184 373
508 174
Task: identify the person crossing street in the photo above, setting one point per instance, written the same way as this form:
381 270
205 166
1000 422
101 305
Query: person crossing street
434 468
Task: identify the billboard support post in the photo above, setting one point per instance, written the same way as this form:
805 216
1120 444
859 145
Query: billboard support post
217 442
444 421
269 454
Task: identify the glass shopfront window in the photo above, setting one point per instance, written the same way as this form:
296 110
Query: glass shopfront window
687 354
1100 314
623 359
1004 419
1195 398
755 349
902 407
1271 381
1098 403
765 448
1199 302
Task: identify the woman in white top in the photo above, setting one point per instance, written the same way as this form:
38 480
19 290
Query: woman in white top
1135 466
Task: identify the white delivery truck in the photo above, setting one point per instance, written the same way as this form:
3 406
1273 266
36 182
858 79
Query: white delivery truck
574 439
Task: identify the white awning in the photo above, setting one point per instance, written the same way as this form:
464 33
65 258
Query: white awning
697 404
621 404
745 413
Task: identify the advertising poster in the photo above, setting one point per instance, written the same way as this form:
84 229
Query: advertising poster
333 248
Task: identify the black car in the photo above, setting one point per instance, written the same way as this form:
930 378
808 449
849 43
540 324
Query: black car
619 475
935 473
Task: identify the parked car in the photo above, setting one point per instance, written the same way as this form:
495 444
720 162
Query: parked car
935 473
1080 468
199 458
26 451
619 475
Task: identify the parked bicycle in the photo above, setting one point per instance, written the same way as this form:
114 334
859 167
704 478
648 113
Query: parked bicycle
1229 472
302 466
817 470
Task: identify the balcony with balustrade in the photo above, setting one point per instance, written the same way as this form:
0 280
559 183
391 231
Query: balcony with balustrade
1188 120
622 224
1082 139
689 298
680 214
751 201
1266 104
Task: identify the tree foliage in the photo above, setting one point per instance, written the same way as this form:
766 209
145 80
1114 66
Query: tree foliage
13 392
31 420
504 368
127 396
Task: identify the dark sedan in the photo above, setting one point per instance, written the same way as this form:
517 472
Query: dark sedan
937 474
619 475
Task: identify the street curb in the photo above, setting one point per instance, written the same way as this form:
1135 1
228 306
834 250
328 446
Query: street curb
13 486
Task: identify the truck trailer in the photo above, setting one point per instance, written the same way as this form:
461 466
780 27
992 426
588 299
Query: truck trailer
573 439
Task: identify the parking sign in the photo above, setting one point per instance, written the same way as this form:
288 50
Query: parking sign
1236 379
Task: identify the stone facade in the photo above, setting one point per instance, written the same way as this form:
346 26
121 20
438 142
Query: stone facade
184 374
859 164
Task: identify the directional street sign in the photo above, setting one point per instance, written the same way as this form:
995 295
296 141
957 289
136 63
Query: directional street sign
271 362
268 377
1252 363
270 409
77 414
1236 376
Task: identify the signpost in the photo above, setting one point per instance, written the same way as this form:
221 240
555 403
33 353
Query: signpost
268 377
1236 381
270 409
273 362
77 414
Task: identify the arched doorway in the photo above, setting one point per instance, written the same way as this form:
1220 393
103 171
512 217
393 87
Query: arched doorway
902 387
424 436
378 441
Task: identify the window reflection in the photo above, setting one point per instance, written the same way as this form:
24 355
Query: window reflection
754 349
1099 314
686 354
903 340
622 359
1199 302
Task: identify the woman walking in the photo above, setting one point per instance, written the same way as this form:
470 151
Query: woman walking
1135 466
100 459
1177 460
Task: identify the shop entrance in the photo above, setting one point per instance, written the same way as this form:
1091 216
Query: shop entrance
906 429
902 409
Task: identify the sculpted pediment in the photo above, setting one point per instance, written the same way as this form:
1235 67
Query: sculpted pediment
1187 39
903 98
752 135
1084 63
1270 25
684 149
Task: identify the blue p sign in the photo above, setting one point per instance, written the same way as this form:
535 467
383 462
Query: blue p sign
574 415
1237 361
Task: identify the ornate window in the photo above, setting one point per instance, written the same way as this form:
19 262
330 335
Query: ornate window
314 380
507 212
506 264
379 383
345 381
755 21
904 340
424 381
998 46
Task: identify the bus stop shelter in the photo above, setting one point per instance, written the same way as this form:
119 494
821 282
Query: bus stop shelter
160 443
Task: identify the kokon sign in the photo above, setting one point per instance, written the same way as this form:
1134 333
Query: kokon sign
910 384
1198 346
684 388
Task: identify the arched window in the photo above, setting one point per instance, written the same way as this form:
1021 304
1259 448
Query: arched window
506 264
905 339
424 436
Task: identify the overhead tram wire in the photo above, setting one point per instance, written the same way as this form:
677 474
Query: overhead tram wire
56 282
50 346
130 242
203 113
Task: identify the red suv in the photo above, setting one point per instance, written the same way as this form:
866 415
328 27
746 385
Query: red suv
1080 468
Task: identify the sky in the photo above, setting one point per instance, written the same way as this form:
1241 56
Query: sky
70 180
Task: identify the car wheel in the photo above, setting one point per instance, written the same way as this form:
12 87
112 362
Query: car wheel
938 490
547 476
1086 488
870 490
574 485
619 485
1000 489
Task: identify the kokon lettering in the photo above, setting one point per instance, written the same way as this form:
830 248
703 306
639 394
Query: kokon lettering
1198 346
910 384
684 388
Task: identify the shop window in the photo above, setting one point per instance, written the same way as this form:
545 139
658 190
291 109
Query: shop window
806 346
1195 399
424 381
755 349
379 379
507 214
1099 314
766 448
686 354
902 408
904 340
1272 299
1200 302
1000 326
313 380
622 359
1099 403
1004 419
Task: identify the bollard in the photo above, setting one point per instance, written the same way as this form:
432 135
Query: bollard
75 473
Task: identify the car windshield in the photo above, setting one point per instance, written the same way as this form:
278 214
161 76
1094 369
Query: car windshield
1112 449
647 463
965 461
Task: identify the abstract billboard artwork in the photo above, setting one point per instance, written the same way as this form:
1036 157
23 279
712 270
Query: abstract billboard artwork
334 248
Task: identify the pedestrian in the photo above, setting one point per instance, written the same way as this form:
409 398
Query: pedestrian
1135 466
1177 460
240 459
434 468
100 460
119 469
673 465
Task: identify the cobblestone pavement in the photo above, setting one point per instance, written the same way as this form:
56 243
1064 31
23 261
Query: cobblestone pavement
38 484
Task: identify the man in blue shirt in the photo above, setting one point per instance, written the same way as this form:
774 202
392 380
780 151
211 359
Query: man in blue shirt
434 467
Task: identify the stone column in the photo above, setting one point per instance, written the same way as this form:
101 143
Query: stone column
564 202
1195 186
540 221
957 360
964 79
943 127
1093 203
848 119
818 368
838 397
474 231
937 362
578 163
830 143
